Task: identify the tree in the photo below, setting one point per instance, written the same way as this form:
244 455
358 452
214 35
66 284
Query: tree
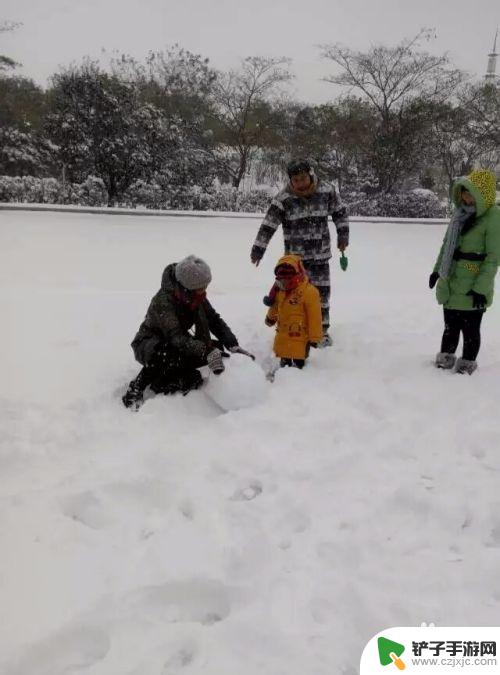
175 80
180 84
400 83
335 136
466 132
6 63
23 103
245 118
22 151
99 127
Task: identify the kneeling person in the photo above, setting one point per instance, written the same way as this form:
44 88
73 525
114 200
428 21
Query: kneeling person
296 311
169 353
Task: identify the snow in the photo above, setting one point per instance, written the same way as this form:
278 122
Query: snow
278 538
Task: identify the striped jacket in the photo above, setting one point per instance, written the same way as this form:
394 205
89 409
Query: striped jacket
305 223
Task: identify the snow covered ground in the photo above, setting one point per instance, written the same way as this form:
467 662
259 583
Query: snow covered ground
358 494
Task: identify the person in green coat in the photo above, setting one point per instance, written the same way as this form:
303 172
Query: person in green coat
466 267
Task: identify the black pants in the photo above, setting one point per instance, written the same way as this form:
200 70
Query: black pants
298 363
467 322
168 371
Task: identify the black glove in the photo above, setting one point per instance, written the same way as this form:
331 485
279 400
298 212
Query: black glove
478 299
256 254
433 279
314 345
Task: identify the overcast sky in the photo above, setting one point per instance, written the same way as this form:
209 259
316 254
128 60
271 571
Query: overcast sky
56 32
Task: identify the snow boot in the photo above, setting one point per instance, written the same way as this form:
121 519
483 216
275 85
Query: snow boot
465 366
134 396
445 361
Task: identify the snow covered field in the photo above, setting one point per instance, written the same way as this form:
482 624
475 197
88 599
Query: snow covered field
358 494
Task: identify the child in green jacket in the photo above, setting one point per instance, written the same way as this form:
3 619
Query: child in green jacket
466 267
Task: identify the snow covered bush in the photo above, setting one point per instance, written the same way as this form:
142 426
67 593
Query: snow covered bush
142 193
418 203
11 189
92 192
51 191
225 198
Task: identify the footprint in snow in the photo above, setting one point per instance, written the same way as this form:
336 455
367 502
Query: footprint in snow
70 650
248 493
182 658
85 508
201 601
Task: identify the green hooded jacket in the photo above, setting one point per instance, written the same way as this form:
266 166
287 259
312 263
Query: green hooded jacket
483 238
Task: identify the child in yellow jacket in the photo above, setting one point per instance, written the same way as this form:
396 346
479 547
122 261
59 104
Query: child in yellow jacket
296 311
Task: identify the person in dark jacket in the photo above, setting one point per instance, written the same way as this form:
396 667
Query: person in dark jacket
169 353
303 208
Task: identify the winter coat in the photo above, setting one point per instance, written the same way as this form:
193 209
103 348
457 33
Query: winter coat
305 223
297 314
480 242
168 321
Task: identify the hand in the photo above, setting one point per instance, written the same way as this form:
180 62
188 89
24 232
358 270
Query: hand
342 246
239 350
314 345
256 255
214 361
269 322
433 279
478 299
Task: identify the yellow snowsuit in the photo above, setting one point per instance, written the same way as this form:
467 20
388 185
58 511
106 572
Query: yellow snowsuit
297 314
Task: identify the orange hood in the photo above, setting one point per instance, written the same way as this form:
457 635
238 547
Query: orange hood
294 261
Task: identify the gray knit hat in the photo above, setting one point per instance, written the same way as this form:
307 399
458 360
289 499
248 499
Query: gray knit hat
193 273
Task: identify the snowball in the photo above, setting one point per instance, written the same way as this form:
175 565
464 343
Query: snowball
241 385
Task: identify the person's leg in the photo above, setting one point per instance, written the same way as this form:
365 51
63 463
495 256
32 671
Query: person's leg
319 276
299 363
471 329
449 342
451 333
175 372
165 372
286 362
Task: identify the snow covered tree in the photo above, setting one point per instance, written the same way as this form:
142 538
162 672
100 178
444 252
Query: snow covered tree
180 84
99 127
22 151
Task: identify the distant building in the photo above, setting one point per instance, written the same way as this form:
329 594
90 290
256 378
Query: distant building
491 76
